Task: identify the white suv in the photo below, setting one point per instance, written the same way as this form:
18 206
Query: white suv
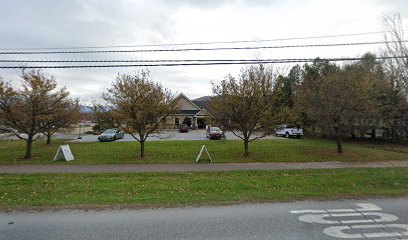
287 130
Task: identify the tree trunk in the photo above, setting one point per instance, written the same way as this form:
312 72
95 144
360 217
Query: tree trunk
246 146
142 154
338 135
393 134
28 147
49 138
339 144
372 133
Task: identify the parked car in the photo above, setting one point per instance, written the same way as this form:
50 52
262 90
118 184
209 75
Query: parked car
287 130
111 135
214 133
4 129
183 128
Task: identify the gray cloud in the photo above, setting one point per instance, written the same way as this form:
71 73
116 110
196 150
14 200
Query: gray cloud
198 4
210 4
76 23
400 6
65 23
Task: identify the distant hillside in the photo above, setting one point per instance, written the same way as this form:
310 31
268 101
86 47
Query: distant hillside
201 102
85 109
202 99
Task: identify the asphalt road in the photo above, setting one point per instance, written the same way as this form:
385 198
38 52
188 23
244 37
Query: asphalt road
378 219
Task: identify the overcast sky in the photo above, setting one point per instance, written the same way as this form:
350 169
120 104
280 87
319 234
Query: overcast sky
80 23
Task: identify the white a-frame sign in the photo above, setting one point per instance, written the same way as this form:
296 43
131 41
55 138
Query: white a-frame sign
201 151
64 152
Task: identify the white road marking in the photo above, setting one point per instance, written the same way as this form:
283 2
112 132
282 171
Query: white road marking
403 226
307 211
338 231
383 234
322 211
341 210
368 213
384 217
321 218
364 207
357 221
367 207
311 218
345 214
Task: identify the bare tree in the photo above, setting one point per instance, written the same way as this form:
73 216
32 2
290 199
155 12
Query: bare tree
396 70
138 105
244 104
396 47
23 110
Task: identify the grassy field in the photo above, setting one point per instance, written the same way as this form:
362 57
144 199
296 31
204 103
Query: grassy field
292 150
36 191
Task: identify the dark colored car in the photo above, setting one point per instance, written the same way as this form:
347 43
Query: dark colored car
214 133
110 135
183 128
4 129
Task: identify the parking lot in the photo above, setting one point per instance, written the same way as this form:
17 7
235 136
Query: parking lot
161 136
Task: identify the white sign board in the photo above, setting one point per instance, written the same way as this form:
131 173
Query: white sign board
201 151
64 152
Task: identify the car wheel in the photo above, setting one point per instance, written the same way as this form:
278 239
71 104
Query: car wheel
287 135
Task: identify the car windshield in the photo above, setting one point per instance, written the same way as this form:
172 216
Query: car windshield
215 129
110 131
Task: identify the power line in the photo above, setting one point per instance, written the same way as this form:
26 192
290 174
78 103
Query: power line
219 62
141 61
177 60
203 43
200 49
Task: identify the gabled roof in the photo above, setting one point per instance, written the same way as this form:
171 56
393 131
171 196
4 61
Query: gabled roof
185 97
203 112
188 112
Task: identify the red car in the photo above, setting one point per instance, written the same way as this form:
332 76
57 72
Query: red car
183 128
214 133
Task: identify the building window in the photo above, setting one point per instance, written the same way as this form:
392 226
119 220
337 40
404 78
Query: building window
177 121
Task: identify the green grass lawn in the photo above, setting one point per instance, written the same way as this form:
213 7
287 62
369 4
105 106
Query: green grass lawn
281 150
31 191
